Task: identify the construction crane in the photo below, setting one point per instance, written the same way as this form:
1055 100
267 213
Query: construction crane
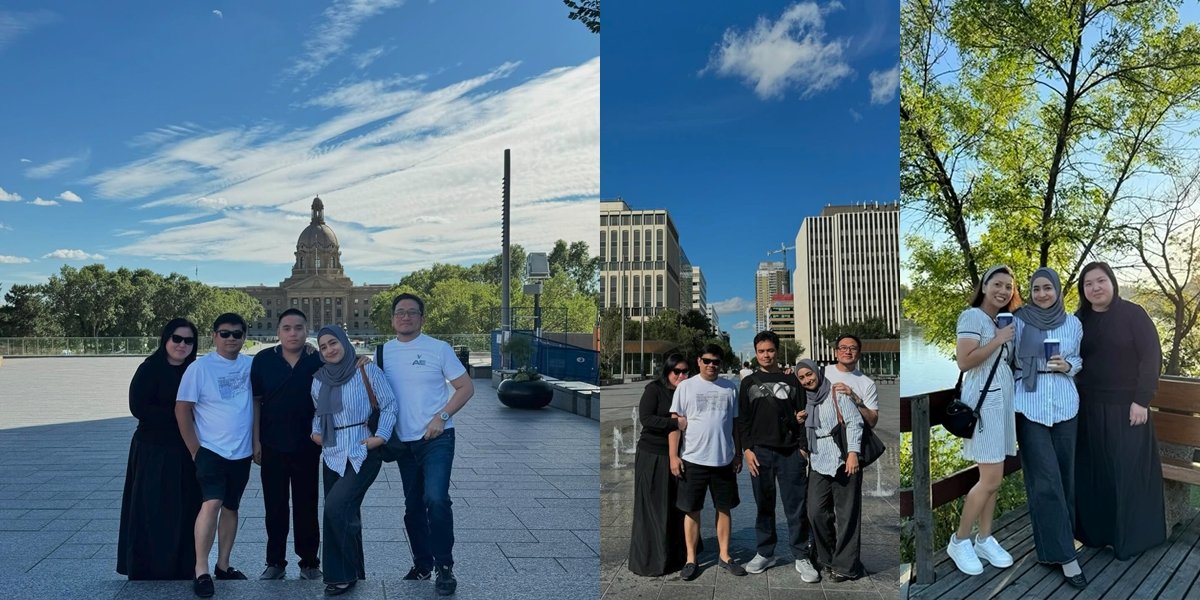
783 249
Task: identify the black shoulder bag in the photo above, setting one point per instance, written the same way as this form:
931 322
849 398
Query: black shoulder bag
870 448
961 419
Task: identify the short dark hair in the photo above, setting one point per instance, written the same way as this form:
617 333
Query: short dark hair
407 296
293 311
766 336
230 319
746 364
670 362
714 350
849 336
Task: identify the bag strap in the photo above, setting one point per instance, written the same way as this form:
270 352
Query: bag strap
988 385
370 390
379 356
837 408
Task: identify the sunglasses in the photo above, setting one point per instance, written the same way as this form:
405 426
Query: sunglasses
711 361
679 371
179 339
225 333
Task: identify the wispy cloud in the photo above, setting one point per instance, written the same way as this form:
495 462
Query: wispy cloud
4 227
742 325
775 56
52 168
854 114
12 260
218 14
127 232
363 60
40 202
26 160
69 196
332 37
9 196
884 85
13 25
64 254
407 175
735 304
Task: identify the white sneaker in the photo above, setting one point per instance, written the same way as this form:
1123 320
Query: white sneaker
962 552
760 563
990 550
808 573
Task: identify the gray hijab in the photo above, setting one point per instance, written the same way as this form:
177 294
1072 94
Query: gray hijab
332 376
815 398
1037 322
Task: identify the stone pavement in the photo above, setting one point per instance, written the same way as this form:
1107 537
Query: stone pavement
525 487
880 523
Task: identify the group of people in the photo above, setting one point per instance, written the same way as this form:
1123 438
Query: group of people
699 432
1078 407
295 411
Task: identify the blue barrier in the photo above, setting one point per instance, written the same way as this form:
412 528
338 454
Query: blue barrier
552 358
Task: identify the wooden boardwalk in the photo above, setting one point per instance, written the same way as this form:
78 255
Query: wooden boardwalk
1169 571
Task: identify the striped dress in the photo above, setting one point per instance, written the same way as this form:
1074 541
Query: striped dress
1056 398
356 408
996 433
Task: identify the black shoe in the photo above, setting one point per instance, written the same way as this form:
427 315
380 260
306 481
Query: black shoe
203 586
337 589
838 577
446 583
734 569
417 574
230 573
1078 581
689 572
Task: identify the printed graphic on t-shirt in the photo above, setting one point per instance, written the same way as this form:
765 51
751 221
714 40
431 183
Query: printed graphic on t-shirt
231 385
776 389
419 361
712 402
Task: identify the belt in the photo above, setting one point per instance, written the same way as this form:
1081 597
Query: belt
349 426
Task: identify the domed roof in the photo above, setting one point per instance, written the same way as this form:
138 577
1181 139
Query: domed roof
317 234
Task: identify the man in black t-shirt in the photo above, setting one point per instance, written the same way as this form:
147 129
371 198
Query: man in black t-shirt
774 448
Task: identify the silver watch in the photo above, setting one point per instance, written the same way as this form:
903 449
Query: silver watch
445 416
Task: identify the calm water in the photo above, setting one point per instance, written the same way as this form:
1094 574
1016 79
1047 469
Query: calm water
923 368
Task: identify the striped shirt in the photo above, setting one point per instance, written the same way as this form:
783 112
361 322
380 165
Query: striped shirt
827 457
1056 399
356 408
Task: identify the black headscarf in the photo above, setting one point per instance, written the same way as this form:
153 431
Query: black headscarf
160 354
815 398
332 376
1037 322
1085 306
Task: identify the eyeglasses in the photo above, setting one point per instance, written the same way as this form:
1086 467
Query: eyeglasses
179 339
847 349
679 371
711 361
412 314
225 333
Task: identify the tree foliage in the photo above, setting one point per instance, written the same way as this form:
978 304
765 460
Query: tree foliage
871 328
586 12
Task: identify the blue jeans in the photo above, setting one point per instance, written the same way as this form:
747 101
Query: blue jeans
425 472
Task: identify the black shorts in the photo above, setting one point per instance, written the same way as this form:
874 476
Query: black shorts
697 479
220 478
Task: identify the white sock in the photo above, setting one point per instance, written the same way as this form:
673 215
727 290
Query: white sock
1071 569
980 540
954 539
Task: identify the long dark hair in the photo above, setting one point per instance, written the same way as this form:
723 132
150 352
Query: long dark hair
1013 303
172 325
670 362
1085 305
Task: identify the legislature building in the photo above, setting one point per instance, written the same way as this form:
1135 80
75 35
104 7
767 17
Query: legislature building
318 286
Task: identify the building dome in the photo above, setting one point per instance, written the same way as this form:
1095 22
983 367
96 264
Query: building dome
317 234
317 251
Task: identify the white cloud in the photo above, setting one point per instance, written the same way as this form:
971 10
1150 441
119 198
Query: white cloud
56 167
4 227
735 304
127 232
16 24
332 37
26 160
854 114
73 255
9 196
13 260
219 14
408 176
40 202
69 196
363 60
792 52
884 85
742 325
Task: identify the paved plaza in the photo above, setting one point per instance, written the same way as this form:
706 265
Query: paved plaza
880 524
525 488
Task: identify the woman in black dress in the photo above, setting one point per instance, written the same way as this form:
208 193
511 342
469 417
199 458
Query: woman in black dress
1118 475
162 496
656 543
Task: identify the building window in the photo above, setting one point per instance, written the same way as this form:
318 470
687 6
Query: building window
268 312
647 244
637 289
612 290
339 313
318 262
306 300
646 294
356 324
603 246
659 243
301 262
327 301
268 324
602 283
612 246
356 300
624 245
624 290
356 313
258 325
637 244
295 302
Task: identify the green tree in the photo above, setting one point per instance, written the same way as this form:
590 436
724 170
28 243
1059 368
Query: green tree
26 313
870 328
577 263
586 12
789 351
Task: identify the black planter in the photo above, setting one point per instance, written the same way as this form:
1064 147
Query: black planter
525 394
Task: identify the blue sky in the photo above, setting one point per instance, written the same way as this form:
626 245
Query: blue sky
744 118
186 135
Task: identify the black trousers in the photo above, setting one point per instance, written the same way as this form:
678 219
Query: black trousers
344 559
1048 460
835 507
299 470
785 471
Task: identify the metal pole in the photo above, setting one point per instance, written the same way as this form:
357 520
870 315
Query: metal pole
642 360
622 342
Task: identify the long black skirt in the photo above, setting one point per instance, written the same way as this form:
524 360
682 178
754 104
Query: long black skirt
1118 481
656 545
158 513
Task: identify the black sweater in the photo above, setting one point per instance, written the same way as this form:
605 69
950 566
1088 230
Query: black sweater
1122 355
654 411
767 419
152 400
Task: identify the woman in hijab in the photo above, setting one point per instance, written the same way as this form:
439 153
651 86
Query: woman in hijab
344 395
1118 475
835 484
1047 403
984 346
656 545
162 496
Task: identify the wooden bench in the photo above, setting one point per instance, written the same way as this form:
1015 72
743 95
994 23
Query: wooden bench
1177 426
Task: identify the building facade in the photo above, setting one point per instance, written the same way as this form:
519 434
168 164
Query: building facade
699 295
318 286
769 280
847 269
640 260
781 317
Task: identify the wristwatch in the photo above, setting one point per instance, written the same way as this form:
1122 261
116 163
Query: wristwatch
445 416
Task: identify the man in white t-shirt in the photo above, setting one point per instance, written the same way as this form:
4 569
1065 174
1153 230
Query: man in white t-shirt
418 367
703 455
215 411
746 370
845 377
